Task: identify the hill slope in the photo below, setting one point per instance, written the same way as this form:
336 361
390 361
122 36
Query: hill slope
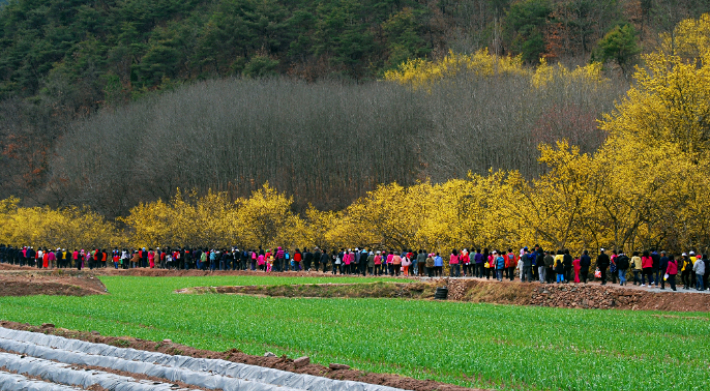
107 50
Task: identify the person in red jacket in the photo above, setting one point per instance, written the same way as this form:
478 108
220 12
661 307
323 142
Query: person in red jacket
647 266
454 267
672 271
297 257
466 262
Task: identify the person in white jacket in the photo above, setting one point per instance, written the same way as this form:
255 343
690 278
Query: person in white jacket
699 269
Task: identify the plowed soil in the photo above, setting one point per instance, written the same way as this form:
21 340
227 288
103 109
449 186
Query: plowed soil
234 355
55 283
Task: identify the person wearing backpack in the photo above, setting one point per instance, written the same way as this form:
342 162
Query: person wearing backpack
622 265
559 266
686 269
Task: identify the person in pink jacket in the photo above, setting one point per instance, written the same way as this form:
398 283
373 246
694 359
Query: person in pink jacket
378 264
347 261
390 256
454 266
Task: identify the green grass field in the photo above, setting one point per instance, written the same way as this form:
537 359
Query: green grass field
474 345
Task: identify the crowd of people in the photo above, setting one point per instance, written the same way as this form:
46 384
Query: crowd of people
647 269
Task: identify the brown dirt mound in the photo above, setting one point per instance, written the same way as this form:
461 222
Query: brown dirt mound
52 283
494 292
603 297
575 296
234 355
378 289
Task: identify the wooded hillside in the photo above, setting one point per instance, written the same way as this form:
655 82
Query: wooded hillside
117 68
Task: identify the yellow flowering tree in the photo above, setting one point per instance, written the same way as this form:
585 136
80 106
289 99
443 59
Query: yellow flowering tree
264 216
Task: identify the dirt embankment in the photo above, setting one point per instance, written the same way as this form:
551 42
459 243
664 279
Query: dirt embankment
477 291
54 283
576 296
333 371
377 289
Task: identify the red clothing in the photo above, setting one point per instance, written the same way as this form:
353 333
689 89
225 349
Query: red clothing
454 259
577 267
646 262
672 268
297 257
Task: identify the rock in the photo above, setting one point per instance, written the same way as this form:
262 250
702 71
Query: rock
168 341
269 354
301 362
94 332
545 291
338 367
47 325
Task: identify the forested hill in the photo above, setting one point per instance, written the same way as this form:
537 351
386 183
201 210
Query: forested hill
71 72
107 50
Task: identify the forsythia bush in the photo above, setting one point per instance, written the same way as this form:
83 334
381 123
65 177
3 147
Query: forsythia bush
421 73
647 186
45 227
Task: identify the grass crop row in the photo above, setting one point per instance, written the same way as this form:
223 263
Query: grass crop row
476 345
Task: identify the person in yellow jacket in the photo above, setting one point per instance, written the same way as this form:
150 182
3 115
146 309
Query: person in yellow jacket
636 267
